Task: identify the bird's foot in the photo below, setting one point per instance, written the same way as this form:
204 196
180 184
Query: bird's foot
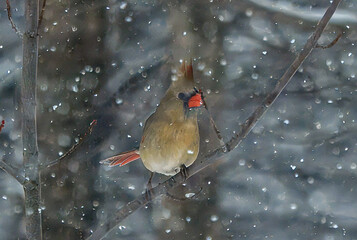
184 172
148 190
148 195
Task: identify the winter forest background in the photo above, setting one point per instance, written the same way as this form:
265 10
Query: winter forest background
293 177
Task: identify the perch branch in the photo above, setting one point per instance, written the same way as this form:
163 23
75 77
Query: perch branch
75 146
209 159
14 172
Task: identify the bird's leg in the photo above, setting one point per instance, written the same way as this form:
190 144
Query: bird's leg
185 175
149 187
183 171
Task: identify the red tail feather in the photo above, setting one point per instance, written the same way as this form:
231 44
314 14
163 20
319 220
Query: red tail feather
122 158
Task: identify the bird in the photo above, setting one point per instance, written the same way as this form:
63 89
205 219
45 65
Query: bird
170 139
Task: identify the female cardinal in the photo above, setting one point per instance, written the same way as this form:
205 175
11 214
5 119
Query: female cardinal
170 139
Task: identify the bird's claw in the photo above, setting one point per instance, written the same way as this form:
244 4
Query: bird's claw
148 195
184 172
148 190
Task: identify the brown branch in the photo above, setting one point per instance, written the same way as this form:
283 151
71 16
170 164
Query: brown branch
9 16
74 147
12 171
209 159
331 43
41 13
218 133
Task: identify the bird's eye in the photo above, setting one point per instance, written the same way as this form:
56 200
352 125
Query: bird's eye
181 96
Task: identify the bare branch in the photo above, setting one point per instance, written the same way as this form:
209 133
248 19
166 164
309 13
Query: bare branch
134 205
284 80
41 13
180 199
218 133
14 172
211 158
9 16
331 43
75 146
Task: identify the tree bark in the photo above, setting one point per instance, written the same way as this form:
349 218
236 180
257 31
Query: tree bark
31 163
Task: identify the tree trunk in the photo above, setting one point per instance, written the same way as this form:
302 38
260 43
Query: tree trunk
32 186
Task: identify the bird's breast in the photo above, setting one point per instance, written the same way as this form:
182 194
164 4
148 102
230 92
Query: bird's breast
167 144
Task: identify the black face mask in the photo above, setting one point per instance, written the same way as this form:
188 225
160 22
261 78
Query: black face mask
185 97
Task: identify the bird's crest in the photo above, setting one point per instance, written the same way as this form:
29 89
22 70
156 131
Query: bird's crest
187 70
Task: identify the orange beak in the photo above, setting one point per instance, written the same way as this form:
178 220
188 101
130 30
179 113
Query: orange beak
195 101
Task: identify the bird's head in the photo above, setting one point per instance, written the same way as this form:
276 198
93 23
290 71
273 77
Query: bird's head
193 99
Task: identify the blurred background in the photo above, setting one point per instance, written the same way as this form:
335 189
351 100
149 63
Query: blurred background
293 177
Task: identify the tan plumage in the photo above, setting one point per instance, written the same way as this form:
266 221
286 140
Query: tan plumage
170 137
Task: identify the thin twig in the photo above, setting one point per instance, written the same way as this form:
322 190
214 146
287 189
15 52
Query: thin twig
2 125
284 80
75 146
218 133
9 16
209 159
41 13
331 43
12 171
